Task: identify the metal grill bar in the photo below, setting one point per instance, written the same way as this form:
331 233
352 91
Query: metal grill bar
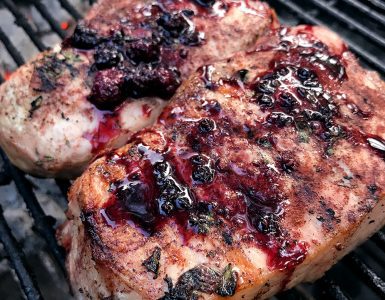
48 17
378 4
379 240
11 48
18 261
43 224
349 21
21 21
371 59
332 290
366 274
72 11
366 10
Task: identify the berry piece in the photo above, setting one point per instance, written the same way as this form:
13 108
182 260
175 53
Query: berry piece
85 38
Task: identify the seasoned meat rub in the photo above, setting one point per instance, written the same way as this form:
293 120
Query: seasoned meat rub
114 75
264 170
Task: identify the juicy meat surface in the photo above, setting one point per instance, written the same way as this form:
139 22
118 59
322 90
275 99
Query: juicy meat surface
262 172
114 75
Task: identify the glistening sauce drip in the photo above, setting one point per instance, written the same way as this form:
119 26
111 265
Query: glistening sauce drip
108 127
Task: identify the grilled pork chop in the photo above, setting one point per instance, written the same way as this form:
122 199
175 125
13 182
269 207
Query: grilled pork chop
263 171
114 75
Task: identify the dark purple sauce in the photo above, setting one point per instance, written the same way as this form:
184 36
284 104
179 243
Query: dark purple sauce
161 188
193 186
108 128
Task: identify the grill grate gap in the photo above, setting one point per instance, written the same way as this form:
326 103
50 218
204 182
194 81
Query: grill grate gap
18 261
331 290
44 224
366 273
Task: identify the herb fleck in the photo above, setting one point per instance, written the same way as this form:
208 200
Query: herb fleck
303 136
199 279
228 283
372 188
152 262
35 104
202 279
329 151
227 237
46 73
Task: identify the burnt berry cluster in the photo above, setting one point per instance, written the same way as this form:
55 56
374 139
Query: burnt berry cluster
206 125
134 67
107 56
85 38
202 172
178 26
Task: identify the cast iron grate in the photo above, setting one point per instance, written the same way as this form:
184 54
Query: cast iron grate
360 22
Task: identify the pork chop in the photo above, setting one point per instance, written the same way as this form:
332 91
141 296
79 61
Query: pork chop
114 75
263 171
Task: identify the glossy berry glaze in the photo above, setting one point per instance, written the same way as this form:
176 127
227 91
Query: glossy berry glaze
141 55
207 168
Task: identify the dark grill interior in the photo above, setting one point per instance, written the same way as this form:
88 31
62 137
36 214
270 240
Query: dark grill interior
358 276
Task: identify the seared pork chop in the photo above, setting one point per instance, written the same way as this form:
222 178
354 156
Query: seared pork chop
114 75
264 170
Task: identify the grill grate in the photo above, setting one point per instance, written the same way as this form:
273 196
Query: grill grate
337 14
21 21
11 48
48 17
367 274
43 224
17 258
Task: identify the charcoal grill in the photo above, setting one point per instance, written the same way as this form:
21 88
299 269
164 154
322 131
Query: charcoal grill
360 275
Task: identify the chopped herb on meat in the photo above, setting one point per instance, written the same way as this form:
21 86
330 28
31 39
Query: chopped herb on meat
202 279
228 283
152 262
35 104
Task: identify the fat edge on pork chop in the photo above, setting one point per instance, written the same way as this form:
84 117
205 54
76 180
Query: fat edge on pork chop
264 170
114 75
